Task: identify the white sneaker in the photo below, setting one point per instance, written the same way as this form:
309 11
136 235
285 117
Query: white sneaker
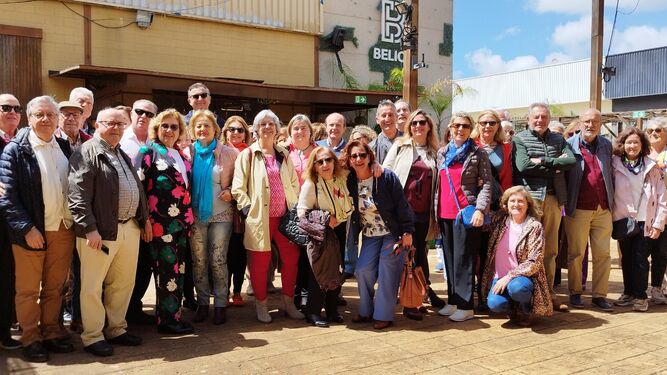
447 310
462 315
657 296
640 305
625 300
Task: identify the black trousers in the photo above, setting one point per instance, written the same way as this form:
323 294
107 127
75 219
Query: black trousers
317 298
7 281
236 262
659 261
460 246
635 251
421 253
141 280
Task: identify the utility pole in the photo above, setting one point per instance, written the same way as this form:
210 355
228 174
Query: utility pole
410 57
597 30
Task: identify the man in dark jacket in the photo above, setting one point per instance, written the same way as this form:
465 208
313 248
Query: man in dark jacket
540 157
33 169
10 116
109 209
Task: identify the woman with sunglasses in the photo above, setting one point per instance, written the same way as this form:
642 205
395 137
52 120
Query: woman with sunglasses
412 158
212 171
264 186
639 193
236 133
325 189
491 138
383 216
165 175
464 180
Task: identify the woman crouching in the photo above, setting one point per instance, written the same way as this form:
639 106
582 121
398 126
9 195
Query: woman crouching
514 279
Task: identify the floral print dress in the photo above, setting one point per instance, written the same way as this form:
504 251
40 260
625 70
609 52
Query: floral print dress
171 218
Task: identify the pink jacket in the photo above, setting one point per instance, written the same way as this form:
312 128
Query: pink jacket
654 189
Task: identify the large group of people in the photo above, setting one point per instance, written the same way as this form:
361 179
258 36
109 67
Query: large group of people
90 210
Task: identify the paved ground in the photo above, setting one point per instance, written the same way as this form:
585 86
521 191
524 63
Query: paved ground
590 341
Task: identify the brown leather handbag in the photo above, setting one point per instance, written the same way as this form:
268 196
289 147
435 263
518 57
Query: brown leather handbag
413 283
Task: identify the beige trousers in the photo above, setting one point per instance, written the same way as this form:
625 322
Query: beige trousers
116 272
551 217
595 224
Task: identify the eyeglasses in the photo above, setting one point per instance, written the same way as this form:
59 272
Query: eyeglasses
42 116
236 130
266 124
361 156
460 126
172 127
419 122
70 114
203 95
141 112
321 162
650 131
8 108
489 123
112 124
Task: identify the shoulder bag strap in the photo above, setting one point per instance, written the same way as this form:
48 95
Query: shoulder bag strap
451 186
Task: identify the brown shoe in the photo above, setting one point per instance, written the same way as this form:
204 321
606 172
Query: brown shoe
560 306
381 324
361 319
219 315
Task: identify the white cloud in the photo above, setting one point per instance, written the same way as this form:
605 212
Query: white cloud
485 62
585 7
637 38
573 37
508 32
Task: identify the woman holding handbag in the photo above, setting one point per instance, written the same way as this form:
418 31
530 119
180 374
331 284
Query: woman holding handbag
324 188
264 186
412 159
514 280
383 216
462 201
640 211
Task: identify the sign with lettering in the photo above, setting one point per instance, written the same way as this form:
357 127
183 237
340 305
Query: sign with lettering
387 54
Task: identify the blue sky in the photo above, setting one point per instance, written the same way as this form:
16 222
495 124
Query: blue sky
494 36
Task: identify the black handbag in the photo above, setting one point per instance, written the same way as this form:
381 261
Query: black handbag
289 227
624 228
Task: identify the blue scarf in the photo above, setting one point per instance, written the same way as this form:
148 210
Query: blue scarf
202 180
457 155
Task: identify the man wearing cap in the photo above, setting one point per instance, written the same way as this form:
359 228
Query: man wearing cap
70 123
10 116
33 169
135 136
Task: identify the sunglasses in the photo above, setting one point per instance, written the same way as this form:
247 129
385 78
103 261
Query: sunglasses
200 96
172 127
490 123
8 108
141 112
361 155
321 162
235 130
419 122
460 126
650 131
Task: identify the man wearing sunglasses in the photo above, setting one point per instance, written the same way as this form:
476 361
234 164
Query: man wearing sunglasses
199 98
136 135
70 122
540 157
10 116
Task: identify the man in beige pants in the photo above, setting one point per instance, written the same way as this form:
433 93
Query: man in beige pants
110 213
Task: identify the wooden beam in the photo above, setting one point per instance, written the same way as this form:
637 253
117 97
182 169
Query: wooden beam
410 75
21 31
597 30
87 46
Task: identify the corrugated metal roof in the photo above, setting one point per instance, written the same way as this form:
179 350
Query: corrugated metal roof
638 73
290 15
554 84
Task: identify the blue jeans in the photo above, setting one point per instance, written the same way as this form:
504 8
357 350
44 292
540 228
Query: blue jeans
519 290
378 263
351 257
209 244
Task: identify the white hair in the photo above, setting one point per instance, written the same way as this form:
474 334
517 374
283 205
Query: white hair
146 102
41 99
81 91
266 113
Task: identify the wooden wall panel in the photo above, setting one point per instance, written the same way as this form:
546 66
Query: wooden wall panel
21 62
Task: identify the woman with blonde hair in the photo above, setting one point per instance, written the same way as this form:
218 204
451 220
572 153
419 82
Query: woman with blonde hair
412 158
514 278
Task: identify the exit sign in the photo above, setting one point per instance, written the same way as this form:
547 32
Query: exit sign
360 99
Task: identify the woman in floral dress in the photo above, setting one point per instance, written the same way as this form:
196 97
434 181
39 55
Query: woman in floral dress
164 172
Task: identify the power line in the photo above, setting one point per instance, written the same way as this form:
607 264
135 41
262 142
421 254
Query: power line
95 22
633 9
613 27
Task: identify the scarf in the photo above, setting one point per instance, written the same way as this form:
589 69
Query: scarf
457 155
634 166
202 180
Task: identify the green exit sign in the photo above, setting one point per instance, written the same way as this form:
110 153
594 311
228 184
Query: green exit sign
639 114
360 99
